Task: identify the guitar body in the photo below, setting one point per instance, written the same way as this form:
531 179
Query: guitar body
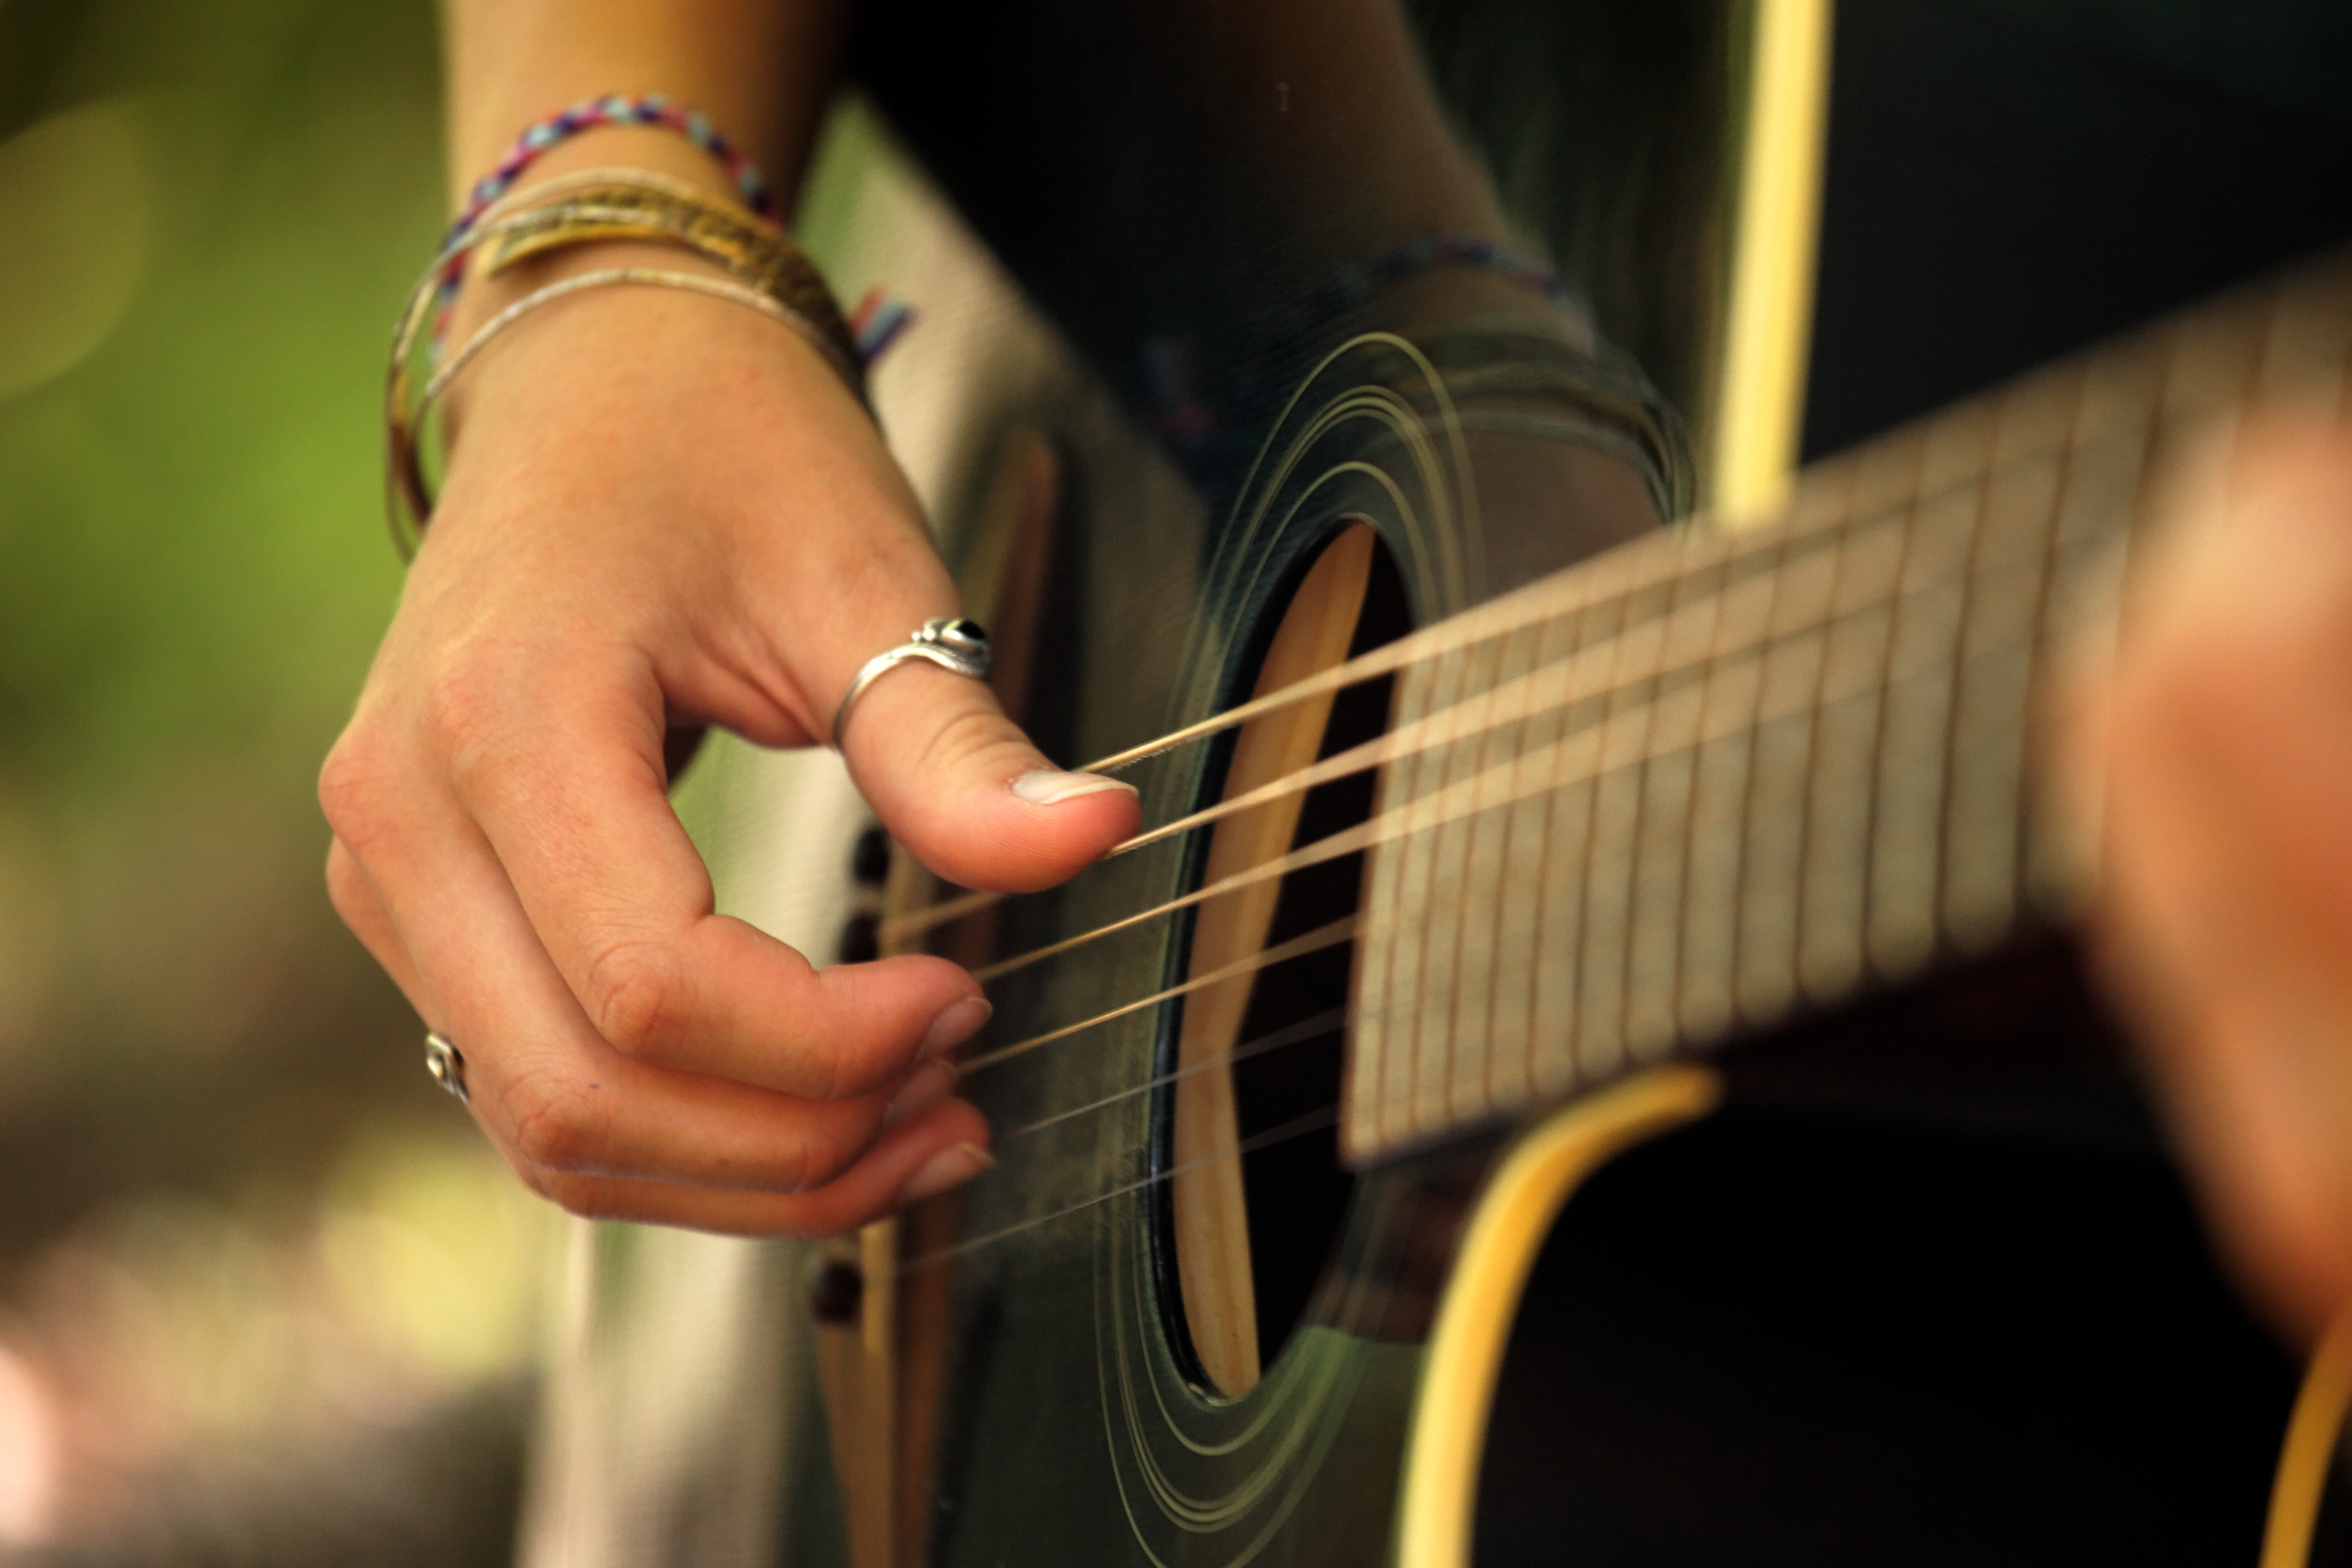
1905 1274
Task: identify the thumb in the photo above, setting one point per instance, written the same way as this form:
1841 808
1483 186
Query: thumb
961 786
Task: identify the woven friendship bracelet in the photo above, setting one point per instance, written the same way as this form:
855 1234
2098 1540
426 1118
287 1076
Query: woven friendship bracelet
617 108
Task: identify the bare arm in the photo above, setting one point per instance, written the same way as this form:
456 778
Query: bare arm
761 69
662 511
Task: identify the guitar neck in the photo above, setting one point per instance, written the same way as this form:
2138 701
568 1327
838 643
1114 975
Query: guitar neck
1730 777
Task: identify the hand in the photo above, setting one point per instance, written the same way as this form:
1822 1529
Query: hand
2223 747
663 510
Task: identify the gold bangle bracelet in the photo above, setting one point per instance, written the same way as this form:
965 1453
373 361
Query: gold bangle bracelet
753 251
598 204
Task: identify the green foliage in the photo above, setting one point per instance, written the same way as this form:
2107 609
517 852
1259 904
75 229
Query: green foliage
190 555
215 211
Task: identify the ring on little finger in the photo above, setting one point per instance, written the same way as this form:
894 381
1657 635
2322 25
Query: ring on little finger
446 1063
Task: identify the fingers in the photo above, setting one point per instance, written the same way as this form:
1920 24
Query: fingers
2222 746
566 783
504 842
549 1133
558 1099
361 905
942 1148
960 784
931 751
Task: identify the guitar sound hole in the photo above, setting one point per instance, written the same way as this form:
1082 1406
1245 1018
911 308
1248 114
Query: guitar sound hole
1243 1244
1297 1190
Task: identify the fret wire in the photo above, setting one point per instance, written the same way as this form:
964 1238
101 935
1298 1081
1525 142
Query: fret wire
1669 797
1747 734
1580 636
1877 783
1804 895
1732 690
1610 859
1905 817
2044 637
1678 907
1472 875
1581 1049
1416 874
1530 887
1486 839
1957 691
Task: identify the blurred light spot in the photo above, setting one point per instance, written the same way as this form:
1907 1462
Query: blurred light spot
28 1455
437 1252
78 227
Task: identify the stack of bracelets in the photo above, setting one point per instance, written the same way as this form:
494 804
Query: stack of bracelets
766 271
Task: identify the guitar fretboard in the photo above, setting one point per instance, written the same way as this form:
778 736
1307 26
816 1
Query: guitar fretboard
1740 776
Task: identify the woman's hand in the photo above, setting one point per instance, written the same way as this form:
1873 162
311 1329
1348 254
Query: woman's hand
2221 747
662 510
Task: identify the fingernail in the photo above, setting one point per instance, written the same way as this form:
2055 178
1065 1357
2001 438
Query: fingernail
950 1167
929 1086
1047 787
957 1023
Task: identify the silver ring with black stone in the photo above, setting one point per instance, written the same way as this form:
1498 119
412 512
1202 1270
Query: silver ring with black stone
446 1063
957 646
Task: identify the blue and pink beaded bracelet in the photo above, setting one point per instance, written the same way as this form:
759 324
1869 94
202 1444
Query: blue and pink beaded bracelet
879 320
617 108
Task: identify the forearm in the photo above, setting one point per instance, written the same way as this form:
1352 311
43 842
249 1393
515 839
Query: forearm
761 69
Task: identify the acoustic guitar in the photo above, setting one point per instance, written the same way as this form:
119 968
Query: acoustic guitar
1586 1062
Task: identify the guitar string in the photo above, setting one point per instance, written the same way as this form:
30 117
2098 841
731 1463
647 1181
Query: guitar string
1489 622
1657 560
1320 938
1651 562
1622 573
1327 1116
1329 1021
1579 757
1312 1121
1520 700
1313 1027
1316 940
1298 1127
1587 675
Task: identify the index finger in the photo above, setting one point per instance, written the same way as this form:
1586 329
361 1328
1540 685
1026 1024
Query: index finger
563 772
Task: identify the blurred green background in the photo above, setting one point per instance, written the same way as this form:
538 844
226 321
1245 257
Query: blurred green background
264 1298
